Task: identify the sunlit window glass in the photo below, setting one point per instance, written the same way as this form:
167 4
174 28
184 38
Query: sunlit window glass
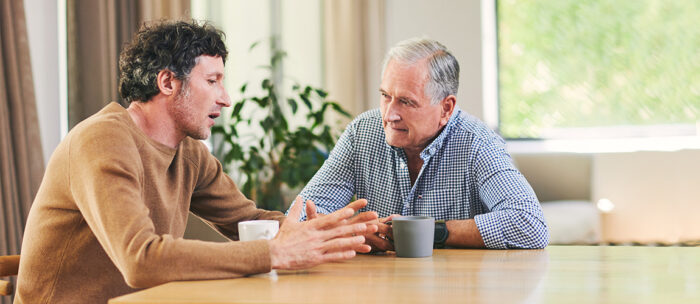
598 68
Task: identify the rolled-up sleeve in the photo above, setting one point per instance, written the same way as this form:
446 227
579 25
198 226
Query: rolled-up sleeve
515 219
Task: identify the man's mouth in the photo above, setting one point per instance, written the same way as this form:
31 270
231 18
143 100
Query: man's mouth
214 115
395 128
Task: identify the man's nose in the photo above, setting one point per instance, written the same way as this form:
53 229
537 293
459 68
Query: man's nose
224 100
392 113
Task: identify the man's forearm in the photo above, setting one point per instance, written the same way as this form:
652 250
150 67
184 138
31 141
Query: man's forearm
464 234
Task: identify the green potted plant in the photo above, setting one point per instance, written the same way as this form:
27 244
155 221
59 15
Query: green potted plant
259 142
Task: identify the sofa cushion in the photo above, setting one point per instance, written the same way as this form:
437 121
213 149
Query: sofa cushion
572 222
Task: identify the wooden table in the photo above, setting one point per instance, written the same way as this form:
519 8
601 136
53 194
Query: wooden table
558 274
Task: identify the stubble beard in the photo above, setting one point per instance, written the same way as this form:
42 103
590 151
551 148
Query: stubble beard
182 113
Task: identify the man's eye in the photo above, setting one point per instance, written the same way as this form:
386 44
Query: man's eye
211 81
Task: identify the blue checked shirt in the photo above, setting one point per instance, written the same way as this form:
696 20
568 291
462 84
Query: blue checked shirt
467 173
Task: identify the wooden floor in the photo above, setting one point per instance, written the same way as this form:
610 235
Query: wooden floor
558 274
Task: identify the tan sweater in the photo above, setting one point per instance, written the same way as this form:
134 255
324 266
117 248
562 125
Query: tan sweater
111 212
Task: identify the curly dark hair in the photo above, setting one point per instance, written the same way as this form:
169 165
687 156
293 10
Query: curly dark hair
171 45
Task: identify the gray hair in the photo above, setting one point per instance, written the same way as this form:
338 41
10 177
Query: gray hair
443 78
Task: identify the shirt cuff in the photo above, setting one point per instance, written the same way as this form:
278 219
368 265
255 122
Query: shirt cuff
491 230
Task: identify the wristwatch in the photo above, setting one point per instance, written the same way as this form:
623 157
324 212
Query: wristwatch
441 234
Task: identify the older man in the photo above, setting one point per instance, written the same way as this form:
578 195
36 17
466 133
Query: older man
111 210
420 154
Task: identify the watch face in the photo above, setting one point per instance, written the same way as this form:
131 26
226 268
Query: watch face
440 232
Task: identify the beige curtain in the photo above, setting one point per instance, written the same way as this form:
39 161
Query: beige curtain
354 49
97 30
21 159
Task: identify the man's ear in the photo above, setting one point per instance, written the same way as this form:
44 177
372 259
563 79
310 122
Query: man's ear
447 107
167 83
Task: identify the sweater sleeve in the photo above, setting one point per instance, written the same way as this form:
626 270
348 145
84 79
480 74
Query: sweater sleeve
106 179
218 200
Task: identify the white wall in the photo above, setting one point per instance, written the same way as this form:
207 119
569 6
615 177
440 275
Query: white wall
42 29
655 194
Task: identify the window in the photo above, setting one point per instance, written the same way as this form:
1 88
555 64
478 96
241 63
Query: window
598 68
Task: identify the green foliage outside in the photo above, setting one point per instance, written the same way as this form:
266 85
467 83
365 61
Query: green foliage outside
574 63
260 141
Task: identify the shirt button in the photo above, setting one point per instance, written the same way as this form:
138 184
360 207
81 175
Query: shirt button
402 165
420 196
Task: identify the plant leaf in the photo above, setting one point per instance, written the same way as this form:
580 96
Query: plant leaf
306 100
234 132
255 44
339 109
267 123
277 57
321 93
217 129
236 153
293 105
264 101
237 109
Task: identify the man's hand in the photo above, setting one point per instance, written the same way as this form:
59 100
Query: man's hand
310 209
379 241
321 239
382 240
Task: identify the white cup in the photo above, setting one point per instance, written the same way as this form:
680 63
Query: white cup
258 230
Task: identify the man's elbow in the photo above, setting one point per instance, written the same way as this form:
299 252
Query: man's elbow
139 277
533 234
540 240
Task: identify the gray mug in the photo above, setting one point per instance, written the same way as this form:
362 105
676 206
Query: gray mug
413 236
